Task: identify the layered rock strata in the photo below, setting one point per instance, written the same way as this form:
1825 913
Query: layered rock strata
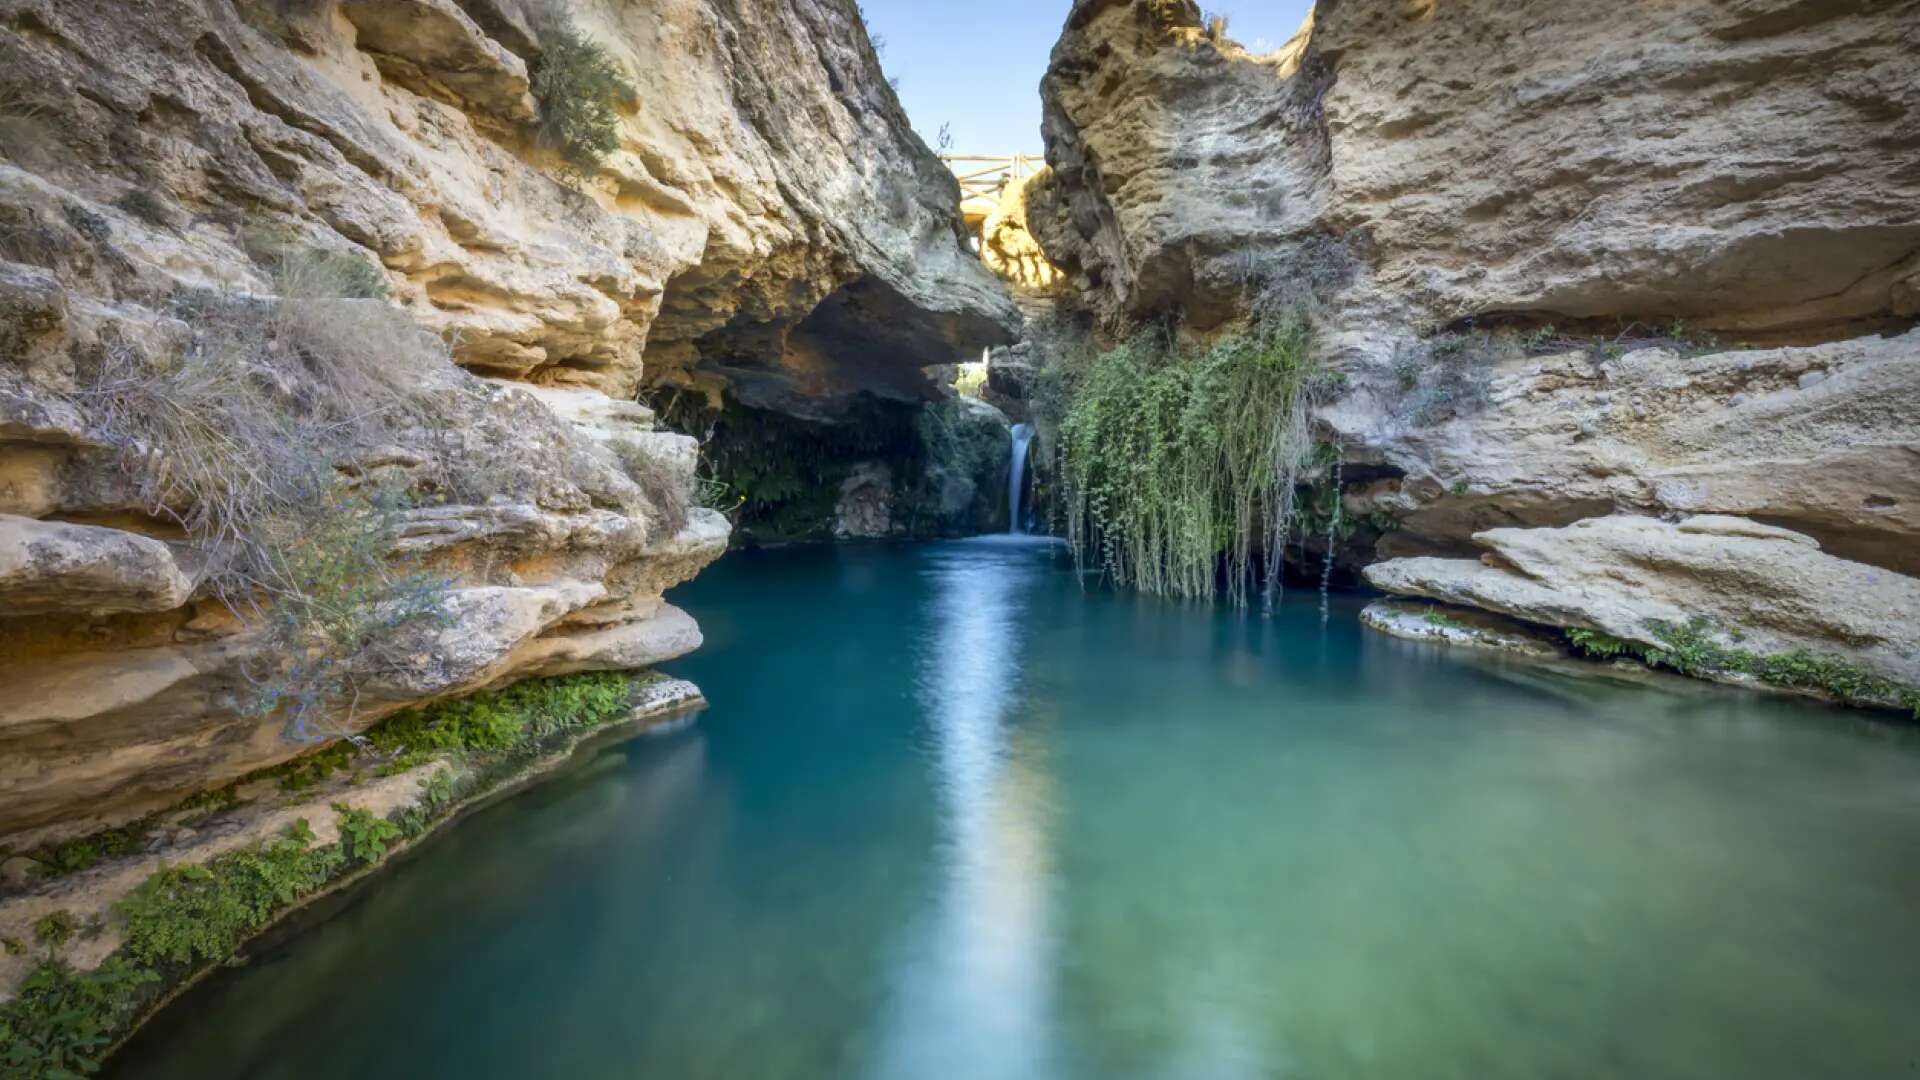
1665 266
765 226
1724 582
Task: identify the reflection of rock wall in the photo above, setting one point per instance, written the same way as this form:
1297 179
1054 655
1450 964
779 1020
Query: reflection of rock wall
768 223
1641 183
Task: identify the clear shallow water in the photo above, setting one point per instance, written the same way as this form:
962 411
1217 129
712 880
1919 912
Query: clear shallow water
950 816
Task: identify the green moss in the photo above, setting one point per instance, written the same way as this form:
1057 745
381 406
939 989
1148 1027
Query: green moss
1436 617
182 918
1699 648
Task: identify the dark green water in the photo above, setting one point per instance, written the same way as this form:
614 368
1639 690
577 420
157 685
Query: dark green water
950 816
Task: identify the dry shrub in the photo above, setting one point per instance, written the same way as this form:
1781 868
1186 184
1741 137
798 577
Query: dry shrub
241 436
665 490
26 136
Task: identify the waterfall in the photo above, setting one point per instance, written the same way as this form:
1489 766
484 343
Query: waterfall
1022 435
1333 527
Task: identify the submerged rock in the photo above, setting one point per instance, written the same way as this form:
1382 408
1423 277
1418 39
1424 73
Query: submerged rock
1458 626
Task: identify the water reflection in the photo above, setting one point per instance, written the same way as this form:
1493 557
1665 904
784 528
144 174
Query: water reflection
972 991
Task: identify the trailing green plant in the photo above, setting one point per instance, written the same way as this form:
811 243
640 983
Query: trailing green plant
579 90
1179 466
364 836
59 1020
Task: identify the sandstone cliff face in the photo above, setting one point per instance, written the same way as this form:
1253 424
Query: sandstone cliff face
1539 237
767 225
1743 166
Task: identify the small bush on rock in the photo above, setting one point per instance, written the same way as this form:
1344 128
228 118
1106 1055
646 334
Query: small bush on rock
579 91
146 206
364 837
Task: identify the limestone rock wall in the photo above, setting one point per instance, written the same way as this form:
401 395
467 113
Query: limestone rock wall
1663 262
767 225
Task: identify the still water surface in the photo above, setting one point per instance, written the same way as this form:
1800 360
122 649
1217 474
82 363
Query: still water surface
952 816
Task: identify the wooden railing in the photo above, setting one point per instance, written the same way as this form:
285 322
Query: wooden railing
984 176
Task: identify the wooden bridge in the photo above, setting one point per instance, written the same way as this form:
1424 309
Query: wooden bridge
984 176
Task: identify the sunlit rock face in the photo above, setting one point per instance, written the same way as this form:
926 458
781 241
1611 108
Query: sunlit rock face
1663 261
1742 166
767 225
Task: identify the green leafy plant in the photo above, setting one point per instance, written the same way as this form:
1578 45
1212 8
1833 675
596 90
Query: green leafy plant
579 90
1601 645
438 789
56 928
83 853
1436 617
60 1020
191 914
364 837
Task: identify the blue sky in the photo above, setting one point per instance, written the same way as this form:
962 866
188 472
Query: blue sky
977 65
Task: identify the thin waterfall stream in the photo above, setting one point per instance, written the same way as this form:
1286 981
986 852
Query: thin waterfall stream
1016 474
